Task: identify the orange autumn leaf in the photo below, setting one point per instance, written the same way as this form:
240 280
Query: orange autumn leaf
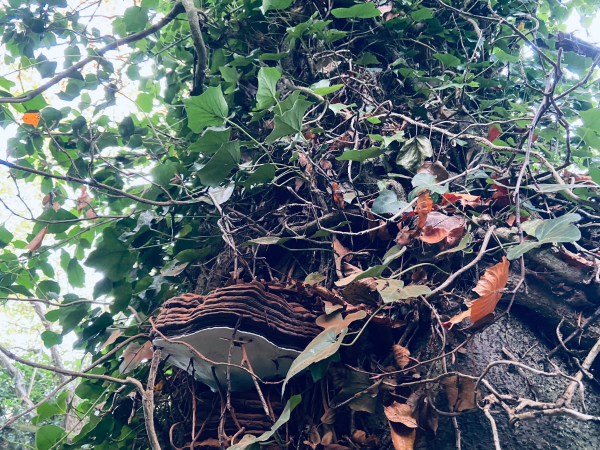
439 227
463 199
424 205
457 319
36 242
338 198
493 133
31 118
91 214
490 286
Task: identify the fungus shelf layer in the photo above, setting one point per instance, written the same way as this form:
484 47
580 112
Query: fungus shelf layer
274 329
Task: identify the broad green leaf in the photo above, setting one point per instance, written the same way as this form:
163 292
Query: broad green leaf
362 155
267 94
373 272
388 203
192 255
591 119
211 140
413 153
45 411
207 110
337 107
263 174
557 187
462 245
394 290
323 88
447 59
560 229
135 19
111 256
361 11
290 122
321 347
505 57
268 5
145 102
47 436
221 163
595 174
249 440
122 297
5 236
51 338
367 58
75 274
229 74
422 14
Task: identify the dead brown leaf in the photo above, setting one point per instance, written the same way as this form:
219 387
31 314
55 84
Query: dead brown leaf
403 437
338 198
490 287
112 338
400 413
423 208
436 169
36 242
134 354
335 320
361 291
460 391
84 199
401 355
439 226
55 206
360 437
339 253
91 214
463 199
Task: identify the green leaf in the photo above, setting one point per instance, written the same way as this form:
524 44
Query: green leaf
290 122
249 440
447 59
367 58
219 166
422 14
145 102
51 338
462 245
595 174
560 229
47 436
413 153
267 94
135 19
229 74
337 107
111 256
395 252
394 290
211 140
362 155
5 236
192 255
321 347
425 181
122 296
45 411
207 110
268 5
362 11
75 274
263 174
388 203
505 57
591 119
323 88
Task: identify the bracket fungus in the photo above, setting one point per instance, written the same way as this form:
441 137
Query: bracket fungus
270 330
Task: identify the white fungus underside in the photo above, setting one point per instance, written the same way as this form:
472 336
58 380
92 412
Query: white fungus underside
267 360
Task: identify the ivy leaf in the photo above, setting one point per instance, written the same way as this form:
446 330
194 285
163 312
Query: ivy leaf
207 110
388 203
322 87
362 155
111 256
47 436
135 19
263 174
268 5
211 140
362 11
560 229
421 14
219 166
447 59
5 236
425 182
192 255
290 122
413 153
267 93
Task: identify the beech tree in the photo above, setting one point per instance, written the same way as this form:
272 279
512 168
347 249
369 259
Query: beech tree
357 169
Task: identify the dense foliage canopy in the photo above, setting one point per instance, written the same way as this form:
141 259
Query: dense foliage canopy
367 148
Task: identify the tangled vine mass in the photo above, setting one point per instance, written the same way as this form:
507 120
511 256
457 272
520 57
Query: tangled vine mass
328 224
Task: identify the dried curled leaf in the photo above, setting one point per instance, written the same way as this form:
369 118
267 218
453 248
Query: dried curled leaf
493 133
423 208
134 354
338 198
400 413
84 199
490 286
401 355
463 199
460 391
439 227
36 242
